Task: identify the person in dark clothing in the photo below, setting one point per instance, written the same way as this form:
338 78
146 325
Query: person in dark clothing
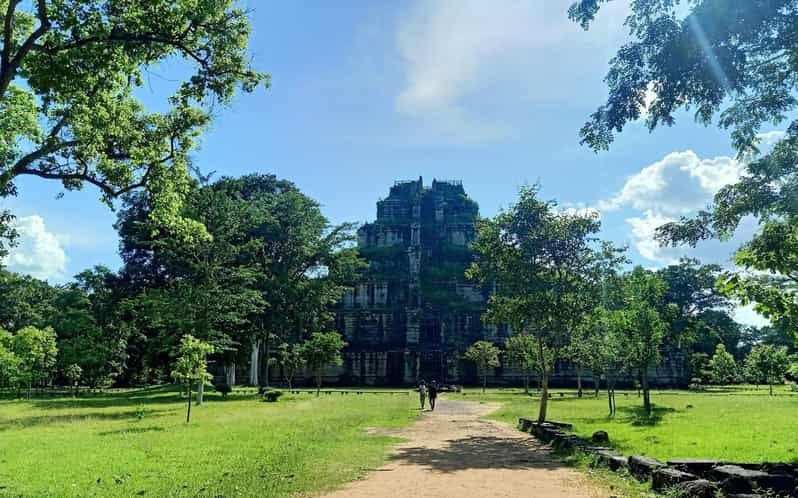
433 395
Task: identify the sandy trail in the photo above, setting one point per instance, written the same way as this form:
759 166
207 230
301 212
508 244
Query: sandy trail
452 452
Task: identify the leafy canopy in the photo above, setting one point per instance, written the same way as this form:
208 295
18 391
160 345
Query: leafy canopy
70 71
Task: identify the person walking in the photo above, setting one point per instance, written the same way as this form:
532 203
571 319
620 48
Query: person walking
433 394
422 394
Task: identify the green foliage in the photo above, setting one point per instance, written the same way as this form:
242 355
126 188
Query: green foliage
290 358
707 55
722 367
767 364
191 366
9 362
648 316
73 374
485 356
700 55
546 266
521 351
321 350
69 75
37 350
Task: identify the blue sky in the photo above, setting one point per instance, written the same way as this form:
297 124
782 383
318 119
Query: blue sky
364 93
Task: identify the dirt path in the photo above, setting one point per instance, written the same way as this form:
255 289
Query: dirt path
452 452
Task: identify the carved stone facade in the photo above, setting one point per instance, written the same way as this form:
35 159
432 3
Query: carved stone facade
412 314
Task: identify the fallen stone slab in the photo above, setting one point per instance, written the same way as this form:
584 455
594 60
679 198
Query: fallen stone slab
738 480
697 466
524 424
618 462
700 488
665 478
642 466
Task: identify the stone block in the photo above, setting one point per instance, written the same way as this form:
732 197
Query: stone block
600 437
698 466
666 477
700 488
642 466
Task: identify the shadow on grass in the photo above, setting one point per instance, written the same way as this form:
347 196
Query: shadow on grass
145 396
40 420
479 452
132 430
636 415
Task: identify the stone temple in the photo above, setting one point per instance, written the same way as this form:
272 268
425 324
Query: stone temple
412 314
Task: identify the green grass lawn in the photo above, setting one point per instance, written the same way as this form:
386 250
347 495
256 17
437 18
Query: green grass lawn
137 443
733 424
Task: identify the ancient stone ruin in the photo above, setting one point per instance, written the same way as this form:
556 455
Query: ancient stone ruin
412 314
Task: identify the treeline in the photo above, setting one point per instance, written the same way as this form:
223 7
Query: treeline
265 269
566 296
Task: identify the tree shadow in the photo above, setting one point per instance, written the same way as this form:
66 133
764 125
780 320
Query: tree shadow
636 415
132 430
480 452
41 420
146 396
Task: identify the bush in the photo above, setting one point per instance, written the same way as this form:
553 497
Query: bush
272 396
224 389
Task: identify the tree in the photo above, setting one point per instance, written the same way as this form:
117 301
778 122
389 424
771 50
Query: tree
485 356
768 364
545 266
605 342
290 359
322 350
648 318
37 351
700 55
9 362
722 367
73 373
522 353
732 60
191 366
69 75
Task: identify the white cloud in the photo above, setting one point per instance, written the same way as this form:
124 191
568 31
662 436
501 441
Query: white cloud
39 252
678 184
747 316
643 229
456 51
770 137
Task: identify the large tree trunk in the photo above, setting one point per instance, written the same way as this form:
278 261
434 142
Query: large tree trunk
230 374
646 393
254 358
544 397
578 381
188 412
200 392
268 357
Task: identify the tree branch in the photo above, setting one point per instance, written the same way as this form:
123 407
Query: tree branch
8 35
10 69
